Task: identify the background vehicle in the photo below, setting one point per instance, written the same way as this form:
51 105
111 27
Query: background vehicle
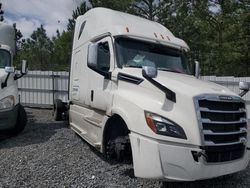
132 90
12 114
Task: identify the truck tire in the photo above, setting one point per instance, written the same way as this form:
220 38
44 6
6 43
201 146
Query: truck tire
119 149
21 121
58 110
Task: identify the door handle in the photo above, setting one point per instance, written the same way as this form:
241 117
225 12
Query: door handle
92 95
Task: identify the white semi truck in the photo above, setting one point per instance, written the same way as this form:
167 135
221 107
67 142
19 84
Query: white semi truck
12 114
132 91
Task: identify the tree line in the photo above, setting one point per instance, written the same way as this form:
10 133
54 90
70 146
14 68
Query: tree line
217 31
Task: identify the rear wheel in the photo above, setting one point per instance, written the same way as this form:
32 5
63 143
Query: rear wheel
58 110
21 121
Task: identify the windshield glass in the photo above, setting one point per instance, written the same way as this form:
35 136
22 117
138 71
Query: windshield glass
134 53
4 58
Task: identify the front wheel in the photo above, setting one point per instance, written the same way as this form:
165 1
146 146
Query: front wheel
20 122
119 149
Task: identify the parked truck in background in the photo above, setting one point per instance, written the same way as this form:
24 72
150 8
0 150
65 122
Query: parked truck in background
12 114
132 91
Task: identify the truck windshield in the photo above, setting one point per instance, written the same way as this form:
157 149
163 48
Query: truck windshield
134 53
4 58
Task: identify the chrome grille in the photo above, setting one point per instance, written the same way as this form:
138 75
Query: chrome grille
224 127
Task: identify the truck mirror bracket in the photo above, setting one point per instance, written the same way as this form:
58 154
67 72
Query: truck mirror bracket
4 84
18 76
169 93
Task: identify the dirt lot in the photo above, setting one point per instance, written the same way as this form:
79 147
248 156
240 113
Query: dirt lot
48 154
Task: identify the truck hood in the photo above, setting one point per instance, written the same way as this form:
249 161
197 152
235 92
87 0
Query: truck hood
182 83
144 96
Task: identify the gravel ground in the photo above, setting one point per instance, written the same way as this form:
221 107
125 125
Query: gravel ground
48 154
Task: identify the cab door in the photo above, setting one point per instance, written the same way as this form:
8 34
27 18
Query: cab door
100 84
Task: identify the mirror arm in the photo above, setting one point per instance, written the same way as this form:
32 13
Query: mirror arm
244 92
4 84
169 93
18 76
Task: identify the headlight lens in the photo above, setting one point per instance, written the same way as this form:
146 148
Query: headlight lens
7 102
163 126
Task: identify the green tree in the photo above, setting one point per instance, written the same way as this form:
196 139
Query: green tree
62 45
225 23
18 37
145 8
244 37
120 5
37 50
42 48
80 10
148 9
217 31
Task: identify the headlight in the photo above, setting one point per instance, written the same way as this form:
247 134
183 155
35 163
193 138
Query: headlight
7 102
163 126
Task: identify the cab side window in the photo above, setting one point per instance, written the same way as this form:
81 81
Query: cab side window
103 57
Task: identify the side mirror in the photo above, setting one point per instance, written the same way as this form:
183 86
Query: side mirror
92 55
24 69
148 71
244 86
197 69
9 69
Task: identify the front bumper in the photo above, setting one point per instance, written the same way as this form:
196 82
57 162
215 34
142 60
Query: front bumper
8 118
158 160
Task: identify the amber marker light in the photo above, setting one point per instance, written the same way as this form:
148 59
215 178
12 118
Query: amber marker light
150 122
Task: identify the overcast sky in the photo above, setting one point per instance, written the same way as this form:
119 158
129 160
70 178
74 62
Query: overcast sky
30 14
